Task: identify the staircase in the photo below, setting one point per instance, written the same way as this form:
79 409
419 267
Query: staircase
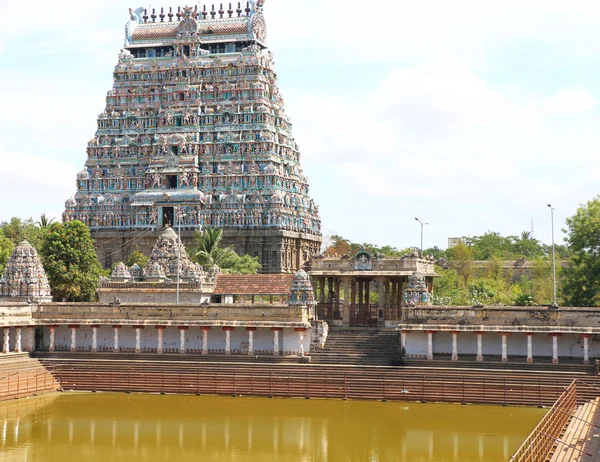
22 376
359 347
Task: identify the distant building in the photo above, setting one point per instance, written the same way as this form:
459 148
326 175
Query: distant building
454 241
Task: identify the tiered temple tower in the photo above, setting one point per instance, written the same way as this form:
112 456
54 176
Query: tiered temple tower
195 134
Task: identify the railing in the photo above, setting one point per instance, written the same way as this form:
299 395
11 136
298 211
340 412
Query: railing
26 382
542 441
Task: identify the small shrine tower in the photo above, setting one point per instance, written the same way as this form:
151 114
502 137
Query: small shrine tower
24 277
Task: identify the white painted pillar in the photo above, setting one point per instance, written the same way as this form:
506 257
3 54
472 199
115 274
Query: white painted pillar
204 341
479 346
31 339
138 340
159 346
73 339
250 342
182 341
52 335
554 349
586 349
430 345
94 339
276 342
404 340
504 349
227 342
6 348
116 345
529 348
301 343
18 348
454 346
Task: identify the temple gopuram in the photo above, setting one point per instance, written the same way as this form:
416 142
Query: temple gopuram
194 134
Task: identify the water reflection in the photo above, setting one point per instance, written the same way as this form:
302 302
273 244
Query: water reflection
152 427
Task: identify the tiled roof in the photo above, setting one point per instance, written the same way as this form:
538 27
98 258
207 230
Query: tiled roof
253 284
150 31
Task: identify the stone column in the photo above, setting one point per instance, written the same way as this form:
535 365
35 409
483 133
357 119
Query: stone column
276 340
430 344
504 347
346 318
18 348
138 340
455 346
554 348
182 330
529 347
31 339
251 331
94 339
52 329
404 340
159 345
6 348
586 348
479 346
205 340
300 341
74 337
227 339
116 345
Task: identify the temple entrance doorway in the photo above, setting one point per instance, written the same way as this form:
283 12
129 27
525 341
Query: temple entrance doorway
363 313
168 216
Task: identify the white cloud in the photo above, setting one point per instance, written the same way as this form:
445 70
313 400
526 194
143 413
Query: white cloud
569 101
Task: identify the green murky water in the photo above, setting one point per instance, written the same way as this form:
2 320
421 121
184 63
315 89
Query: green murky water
111 427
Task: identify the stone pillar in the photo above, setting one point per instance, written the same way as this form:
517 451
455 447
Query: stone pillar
6 347
138 339
250 331
74 337
94 339
504 347
586 348
455 346
116 345
300 341
182 330
159 343
276 340
352 315
205 340
228 339
479 346
404 340
18 348
346 318
31 339
430 344
554 347
52 329
529 347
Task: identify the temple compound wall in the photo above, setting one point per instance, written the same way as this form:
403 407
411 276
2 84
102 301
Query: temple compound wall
508 333
195 134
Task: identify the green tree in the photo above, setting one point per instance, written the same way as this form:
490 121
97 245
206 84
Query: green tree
490 244
16 230
137 258
208 252
582 278
463 262
526 246
71 262
6 249
44 221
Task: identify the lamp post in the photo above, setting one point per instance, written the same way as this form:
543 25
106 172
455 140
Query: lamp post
422 224
180 216
554 304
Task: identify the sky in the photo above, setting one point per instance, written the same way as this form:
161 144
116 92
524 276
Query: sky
470 115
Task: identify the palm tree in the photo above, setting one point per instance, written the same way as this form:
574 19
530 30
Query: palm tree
44 222
208 250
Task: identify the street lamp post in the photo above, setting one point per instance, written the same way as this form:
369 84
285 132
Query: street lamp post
554 304
422 224
180 216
